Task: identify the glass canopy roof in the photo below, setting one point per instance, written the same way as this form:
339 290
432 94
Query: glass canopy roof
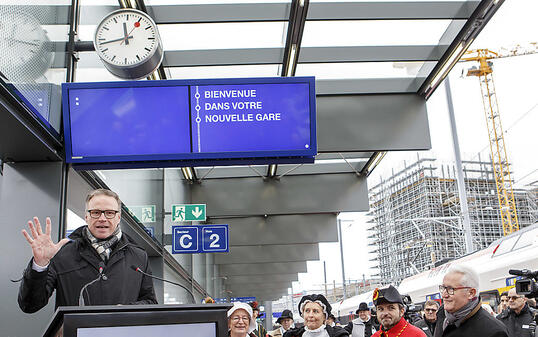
351 47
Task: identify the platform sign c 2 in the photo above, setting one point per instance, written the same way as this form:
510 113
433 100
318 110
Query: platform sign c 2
200 239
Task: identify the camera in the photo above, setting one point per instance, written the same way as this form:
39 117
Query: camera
527 284
412 311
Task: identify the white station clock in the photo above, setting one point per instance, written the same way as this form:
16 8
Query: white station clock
25 49
128 43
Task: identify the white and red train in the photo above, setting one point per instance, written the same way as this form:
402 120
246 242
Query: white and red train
518 250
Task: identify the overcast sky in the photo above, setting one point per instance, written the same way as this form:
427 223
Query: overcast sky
515 80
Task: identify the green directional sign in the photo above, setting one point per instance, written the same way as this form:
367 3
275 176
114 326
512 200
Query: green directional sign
144 214
188 212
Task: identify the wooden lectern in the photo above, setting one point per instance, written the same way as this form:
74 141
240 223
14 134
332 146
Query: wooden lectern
205 320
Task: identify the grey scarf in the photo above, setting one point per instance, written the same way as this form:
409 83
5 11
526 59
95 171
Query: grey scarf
458 317
103 247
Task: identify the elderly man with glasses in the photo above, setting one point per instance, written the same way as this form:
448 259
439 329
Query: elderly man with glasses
92 267
427 323
519 319
461 314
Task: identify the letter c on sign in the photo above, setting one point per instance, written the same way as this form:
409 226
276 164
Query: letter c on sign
183 239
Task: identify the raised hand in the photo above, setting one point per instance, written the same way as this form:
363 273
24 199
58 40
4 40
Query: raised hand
42 246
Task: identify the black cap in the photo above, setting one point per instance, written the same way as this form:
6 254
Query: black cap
362 307
387 295
285 314
315 298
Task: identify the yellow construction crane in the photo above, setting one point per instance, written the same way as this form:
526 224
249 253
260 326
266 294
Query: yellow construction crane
484 72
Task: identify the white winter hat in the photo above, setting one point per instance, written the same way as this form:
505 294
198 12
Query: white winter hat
239 305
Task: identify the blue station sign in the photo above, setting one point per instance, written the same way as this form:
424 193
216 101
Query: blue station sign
190 122
200 239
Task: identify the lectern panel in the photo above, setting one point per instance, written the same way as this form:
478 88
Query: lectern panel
199 330
208 320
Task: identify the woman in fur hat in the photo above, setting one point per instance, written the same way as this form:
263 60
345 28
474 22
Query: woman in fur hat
315 309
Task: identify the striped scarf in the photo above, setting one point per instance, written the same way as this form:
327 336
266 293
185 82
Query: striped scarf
103 246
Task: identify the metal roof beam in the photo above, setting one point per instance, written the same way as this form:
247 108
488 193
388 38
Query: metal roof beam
268 253
256 12
368 86
371 53
239 269
247 56
270 286
296 23
300 194
392 10
249 279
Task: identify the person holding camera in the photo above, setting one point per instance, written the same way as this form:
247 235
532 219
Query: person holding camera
518 319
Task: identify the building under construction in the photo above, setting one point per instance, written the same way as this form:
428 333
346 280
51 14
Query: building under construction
417 221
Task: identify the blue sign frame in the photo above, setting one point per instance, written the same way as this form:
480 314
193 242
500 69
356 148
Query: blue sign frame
180 232
199 239
192 158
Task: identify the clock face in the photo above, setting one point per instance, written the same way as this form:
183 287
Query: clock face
24 54
126 38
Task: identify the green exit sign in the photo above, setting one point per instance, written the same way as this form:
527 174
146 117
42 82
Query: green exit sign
188 212
144 214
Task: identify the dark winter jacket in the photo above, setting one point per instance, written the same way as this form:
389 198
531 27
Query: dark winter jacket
518 324
76 264
369 329
335 331
426 326
478 323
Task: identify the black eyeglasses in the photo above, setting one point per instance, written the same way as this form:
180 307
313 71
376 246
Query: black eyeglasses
514 298
450 290
96 213
430 310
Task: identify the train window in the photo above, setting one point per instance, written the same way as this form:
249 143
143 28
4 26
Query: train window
490 297
506 245
526 239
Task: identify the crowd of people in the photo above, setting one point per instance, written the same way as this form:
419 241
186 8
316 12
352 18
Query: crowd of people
101 251
461 314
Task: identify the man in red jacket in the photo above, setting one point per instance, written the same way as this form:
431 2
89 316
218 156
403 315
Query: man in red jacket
390 311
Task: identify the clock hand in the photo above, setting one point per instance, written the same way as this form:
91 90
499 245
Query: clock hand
125 35
116 40
129 35
24 42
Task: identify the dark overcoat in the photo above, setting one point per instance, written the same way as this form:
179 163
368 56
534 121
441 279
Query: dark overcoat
423 325
479 323
518 325
76 264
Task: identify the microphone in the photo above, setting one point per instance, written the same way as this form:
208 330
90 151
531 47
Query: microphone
518 272
524 273
101 268
101 271
135 268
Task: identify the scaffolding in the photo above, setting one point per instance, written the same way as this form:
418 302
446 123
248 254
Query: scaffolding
416 219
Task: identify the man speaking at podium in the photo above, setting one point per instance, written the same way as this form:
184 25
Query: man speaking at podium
92 267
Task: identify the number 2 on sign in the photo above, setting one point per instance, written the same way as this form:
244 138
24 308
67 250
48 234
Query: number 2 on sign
215 239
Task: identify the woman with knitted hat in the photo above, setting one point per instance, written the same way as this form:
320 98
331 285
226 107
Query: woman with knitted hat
315 309
241 322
